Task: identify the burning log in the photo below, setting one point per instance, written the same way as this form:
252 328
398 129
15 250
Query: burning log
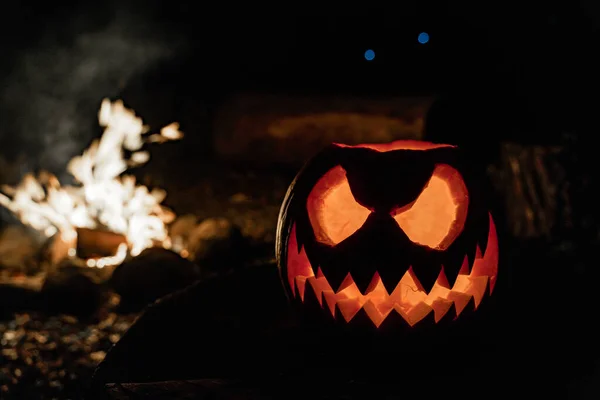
93 244
535 184
88 247
106 215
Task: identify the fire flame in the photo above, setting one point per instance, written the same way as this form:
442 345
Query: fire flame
103 198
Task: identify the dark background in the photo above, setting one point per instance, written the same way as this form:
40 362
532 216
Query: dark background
517 70
507 71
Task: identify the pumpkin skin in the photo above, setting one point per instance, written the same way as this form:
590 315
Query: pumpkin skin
387 233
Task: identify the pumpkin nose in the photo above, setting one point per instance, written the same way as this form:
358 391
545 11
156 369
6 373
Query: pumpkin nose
384 225
379 246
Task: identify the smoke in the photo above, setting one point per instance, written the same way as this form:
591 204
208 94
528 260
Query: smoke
51 96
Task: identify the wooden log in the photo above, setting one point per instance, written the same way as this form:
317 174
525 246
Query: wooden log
304 387
289 129
301 387
186 389
93 243
535 185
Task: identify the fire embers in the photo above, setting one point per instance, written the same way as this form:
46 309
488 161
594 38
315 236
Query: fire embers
409 299
103 198
92 247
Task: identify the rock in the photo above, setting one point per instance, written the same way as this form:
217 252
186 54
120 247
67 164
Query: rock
55 251
197 331
19 249
72 289
183 225
240 198
14 299
216 245
180 230
154 273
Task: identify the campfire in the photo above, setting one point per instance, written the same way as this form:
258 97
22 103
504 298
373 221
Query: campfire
106 215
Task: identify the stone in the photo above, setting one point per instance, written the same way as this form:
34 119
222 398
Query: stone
19 249
54 251
180 231
154 273
73 289
201 327
216 244
15 299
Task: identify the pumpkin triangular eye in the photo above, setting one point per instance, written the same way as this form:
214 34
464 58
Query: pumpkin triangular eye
332 210
438 215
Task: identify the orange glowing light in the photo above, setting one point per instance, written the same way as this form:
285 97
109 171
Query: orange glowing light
103 196
437 216
409 298
333 209
398 145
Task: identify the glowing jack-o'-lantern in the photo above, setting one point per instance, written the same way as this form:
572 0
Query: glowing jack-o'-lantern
386 229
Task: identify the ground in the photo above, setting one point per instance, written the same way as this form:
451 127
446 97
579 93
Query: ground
54 356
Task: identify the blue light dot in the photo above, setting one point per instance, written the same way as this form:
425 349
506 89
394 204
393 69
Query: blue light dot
423 37
369 55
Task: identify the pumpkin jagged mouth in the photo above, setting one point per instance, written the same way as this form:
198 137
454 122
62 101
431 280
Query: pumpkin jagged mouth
409 298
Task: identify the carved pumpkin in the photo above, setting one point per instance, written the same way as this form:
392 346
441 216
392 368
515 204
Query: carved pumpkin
384 230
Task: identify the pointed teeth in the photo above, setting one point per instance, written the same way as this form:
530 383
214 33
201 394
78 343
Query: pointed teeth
440 308
375 284
330 301
478 252
338 281
464 268
442 280
346 283
348 308
375 313
297 264
300 286
408 299
460 301
449 295
414 314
